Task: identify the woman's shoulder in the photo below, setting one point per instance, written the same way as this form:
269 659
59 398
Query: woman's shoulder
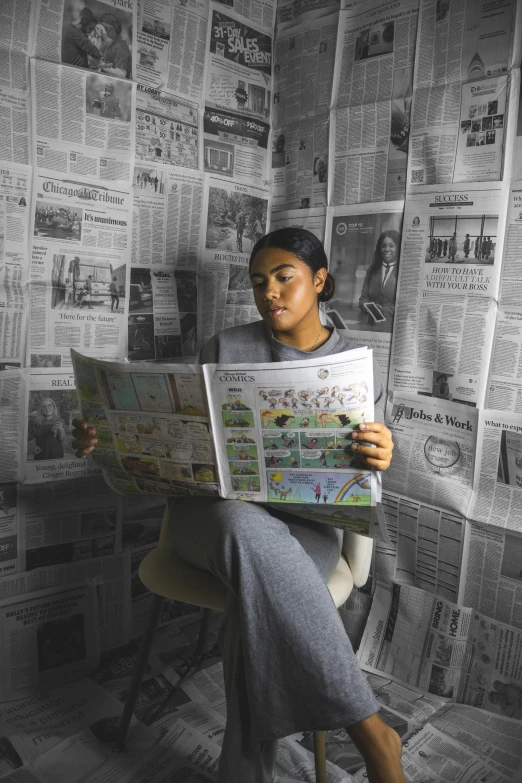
243 343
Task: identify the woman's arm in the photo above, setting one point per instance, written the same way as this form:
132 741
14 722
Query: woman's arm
365 293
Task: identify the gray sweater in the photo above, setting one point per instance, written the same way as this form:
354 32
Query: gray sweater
255 343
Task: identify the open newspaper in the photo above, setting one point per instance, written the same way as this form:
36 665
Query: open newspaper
259 432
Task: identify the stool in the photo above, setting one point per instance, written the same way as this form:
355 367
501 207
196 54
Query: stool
169 577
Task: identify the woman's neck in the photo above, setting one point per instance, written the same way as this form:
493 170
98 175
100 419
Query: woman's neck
305 336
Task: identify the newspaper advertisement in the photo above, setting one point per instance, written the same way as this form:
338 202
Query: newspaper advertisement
313 220
504 388
167 216
235 146
96 35
47 638
459 112
448 284
151 424
372 93
11 395
162 322
68 530
441 647
14 105
497 497
428 546
434 454
166 129
15 201
236 218
80 240
303 73
363 245
9 542
82 122
171 46
50 406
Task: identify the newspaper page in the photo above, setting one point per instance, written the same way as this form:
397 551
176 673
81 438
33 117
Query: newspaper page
429 545
14 104
11 396
15 201
80 241
283 433
435 445
82 122
363 246
17 26
448 285
9 539
303 73
152 425
313 220
47 638
95 35
79 526
49 407
504 387
459 112
236 217
441 647
171 46
167 129
289 11
372 91
491 573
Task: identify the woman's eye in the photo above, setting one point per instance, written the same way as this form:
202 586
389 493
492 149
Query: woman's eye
284 279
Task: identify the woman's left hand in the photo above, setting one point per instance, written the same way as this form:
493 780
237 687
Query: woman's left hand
377 456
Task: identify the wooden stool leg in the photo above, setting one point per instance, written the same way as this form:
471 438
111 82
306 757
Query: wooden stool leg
320 756
137 675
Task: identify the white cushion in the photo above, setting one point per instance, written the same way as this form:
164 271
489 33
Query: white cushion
358 552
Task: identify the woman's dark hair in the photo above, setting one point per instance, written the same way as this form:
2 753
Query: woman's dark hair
377 257
305 246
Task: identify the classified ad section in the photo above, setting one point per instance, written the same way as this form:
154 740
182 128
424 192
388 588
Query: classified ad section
80 239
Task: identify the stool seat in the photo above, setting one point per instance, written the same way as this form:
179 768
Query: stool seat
165 574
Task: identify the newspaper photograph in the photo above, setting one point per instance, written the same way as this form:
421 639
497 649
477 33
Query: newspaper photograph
15 202
15 104
236 217
82 122
80 238
313 220
50 406
95 35
303 73
459 111
9 540
166 129
167 216
235 146
171 46
371 101
435 446
448 285
492 575
11 424
363 245
48 638
441 647
162 321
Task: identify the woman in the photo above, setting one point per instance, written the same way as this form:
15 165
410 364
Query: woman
287 661
380 282
47 430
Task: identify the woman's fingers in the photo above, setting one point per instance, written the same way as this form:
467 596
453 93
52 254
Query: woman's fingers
84 437
377 456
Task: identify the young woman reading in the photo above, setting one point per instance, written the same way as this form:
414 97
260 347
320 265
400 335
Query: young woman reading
287 661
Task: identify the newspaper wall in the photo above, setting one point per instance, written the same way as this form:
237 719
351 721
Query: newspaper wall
313 220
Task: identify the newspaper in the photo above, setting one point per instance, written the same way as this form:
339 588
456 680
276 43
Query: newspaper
103 42
82 122
448 285
234 218
80 241
15 200
14 103
461 85
313 220
372 91
303 72
11 423
288 11
435 443
9 548
363 246
47 638
491 573
166 129
66 532
443 648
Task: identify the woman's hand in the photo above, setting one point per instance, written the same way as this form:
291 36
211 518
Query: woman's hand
84 437
377 456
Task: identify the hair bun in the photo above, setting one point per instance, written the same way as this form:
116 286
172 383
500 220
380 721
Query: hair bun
328 289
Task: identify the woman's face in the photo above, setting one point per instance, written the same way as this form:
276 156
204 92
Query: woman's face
285 289
47 409
388 250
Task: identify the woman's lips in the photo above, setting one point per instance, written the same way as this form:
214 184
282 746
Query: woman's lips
274 312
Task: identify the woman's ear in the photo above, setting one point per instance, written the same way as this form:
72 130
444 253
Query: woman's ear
320 279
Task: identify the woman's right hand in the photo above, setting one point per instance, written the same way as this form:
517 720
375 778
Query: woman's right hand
84 437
